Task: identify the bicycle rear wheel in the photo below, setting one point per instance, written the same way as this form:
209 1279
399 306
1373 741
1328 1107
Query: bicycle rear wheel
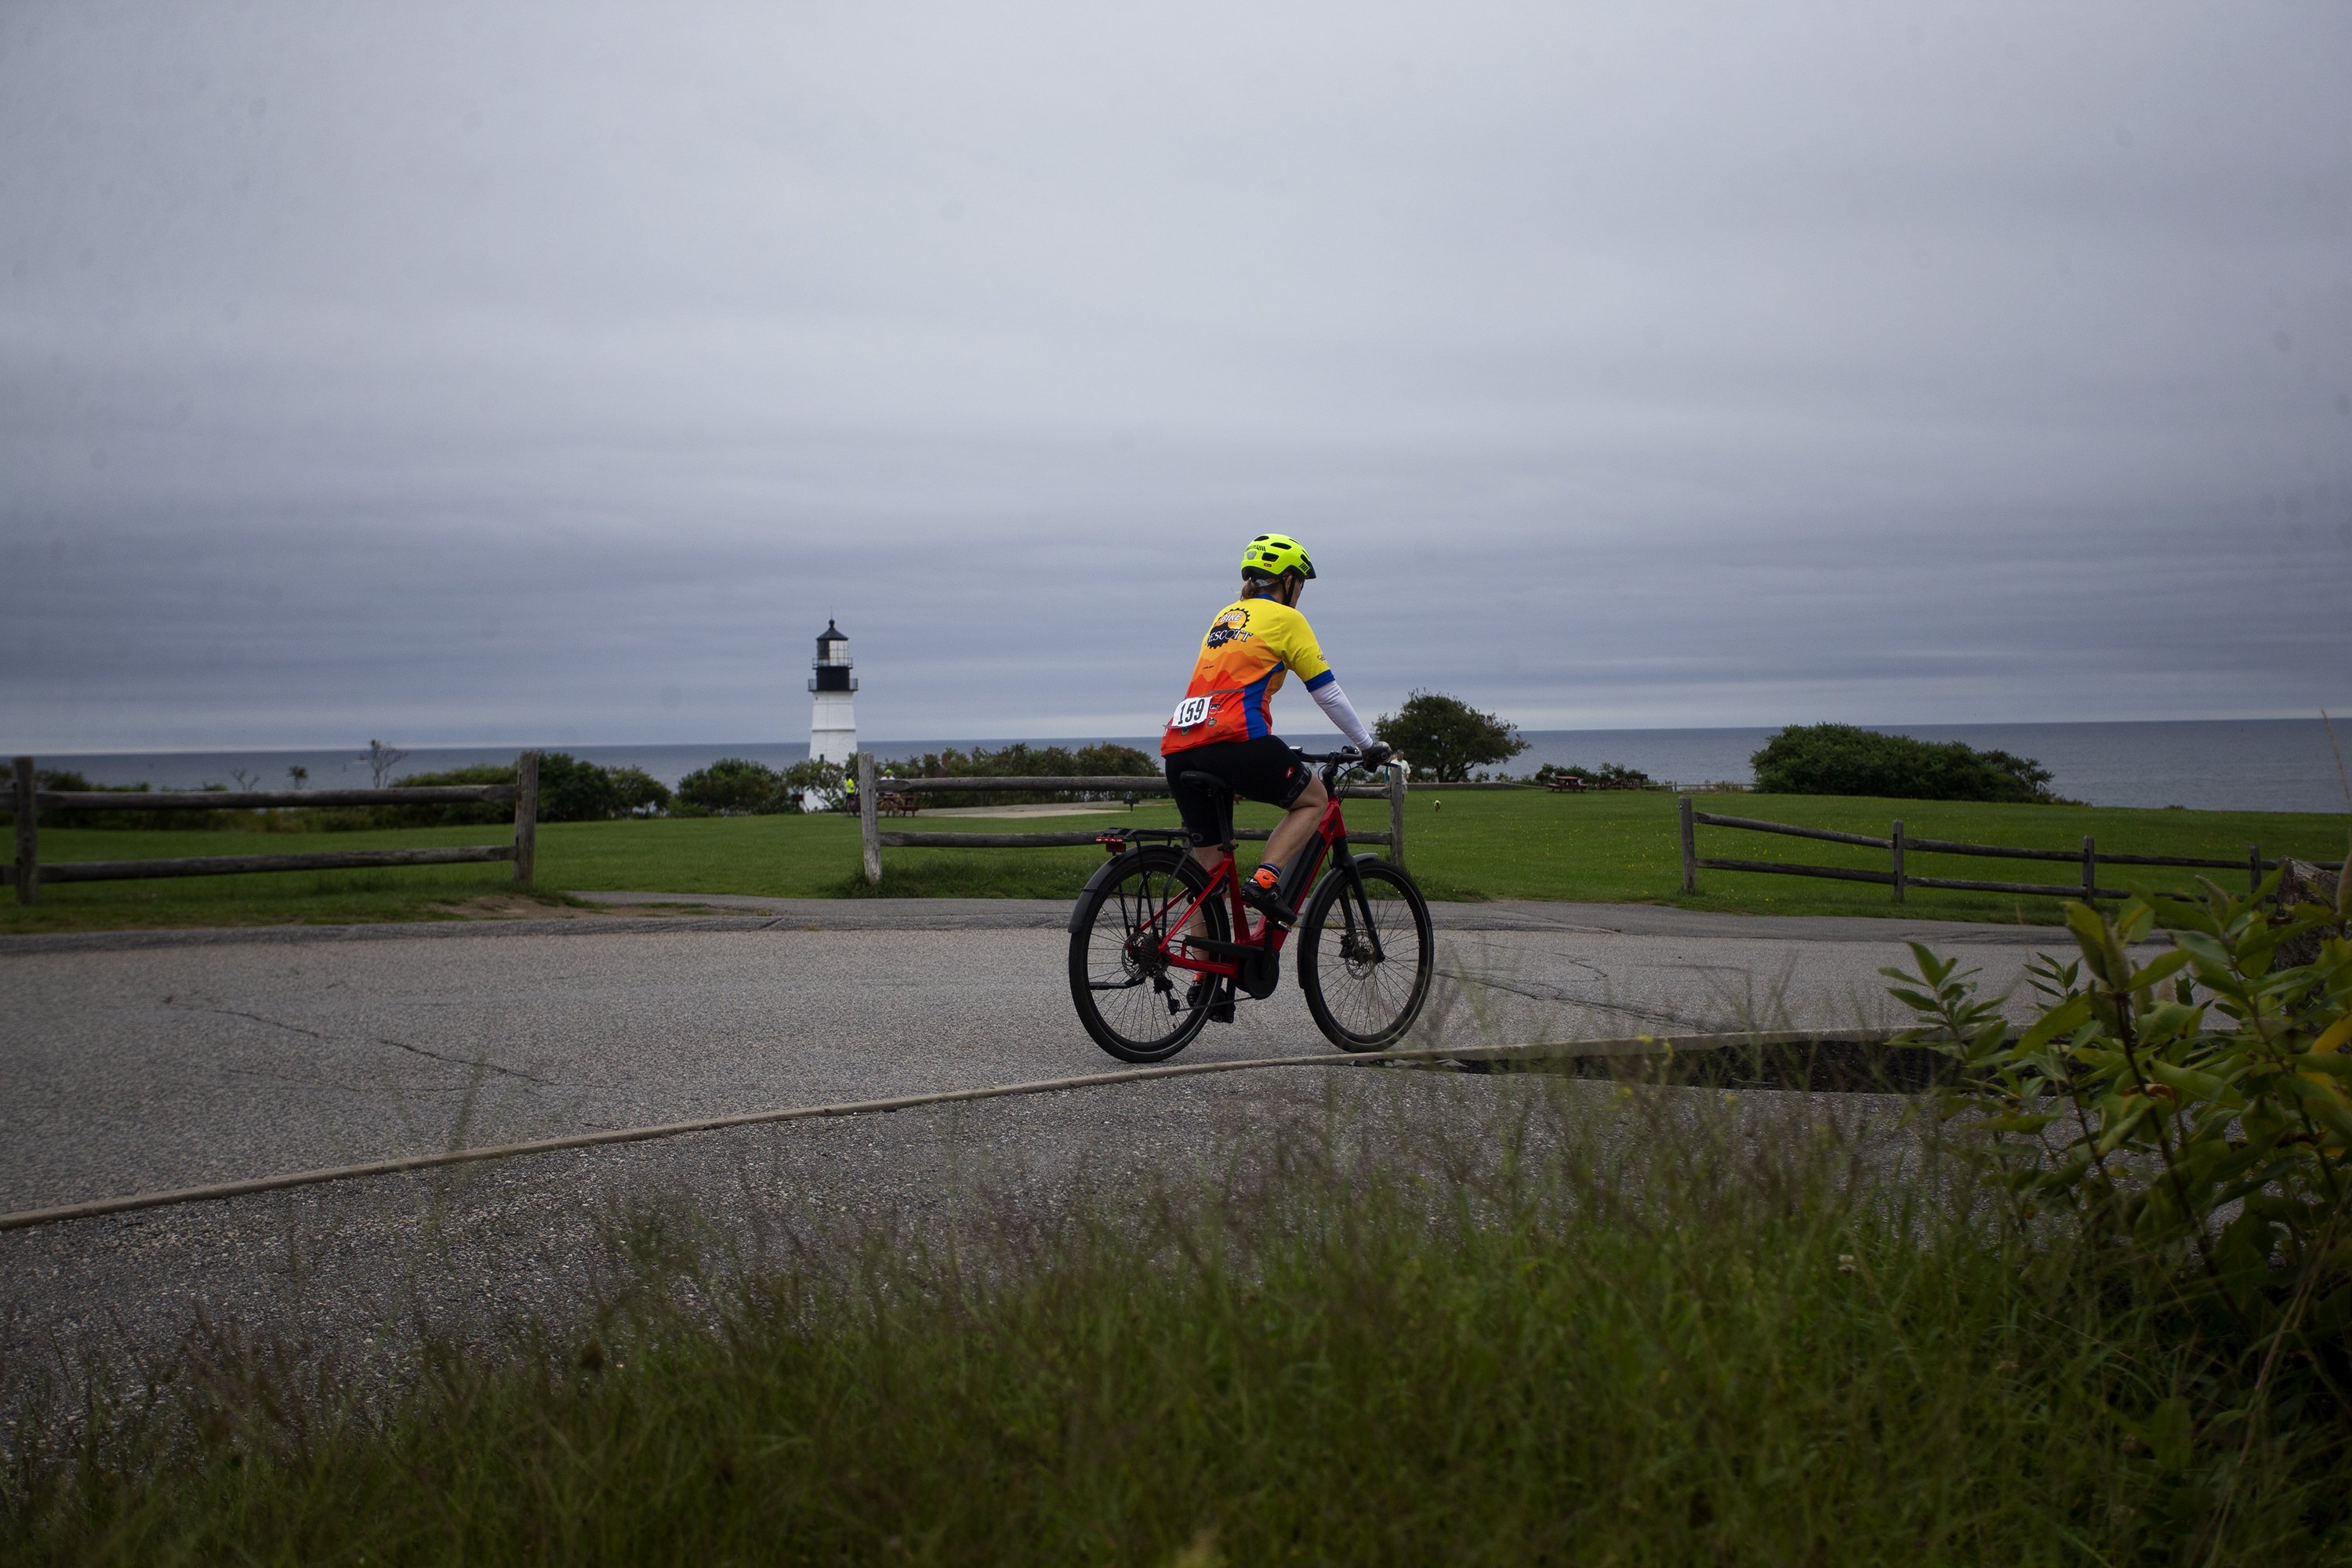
1137 1005
1365 1000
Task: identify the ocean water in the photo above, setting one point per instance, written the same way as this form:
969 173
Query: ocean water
2251 764
2230 764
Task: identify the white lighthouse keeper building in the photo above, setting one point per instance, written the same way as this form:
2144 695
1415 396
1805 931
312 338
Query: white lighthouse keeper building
832 721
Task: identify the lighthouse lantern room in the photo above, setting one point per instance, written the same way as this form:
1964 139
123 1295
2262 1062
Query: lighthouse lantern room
832 721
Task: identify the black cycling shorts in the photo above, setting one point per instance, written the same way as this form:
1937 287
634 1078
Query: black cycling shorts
1258 769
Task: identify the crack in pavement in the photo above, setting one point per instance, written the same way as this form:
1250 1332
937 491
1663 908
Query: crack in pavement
392 1091
233 1013
1589 968
279 1078
478 1062
481 1062
1536 991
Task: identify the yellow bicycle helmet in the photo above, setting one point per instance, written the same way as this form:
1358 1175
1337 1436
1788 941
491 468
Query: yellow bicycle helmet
1272 554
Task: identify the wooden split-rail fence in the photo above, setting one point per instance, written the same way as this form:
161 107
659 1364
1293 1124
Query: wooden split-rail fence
875 840
28 873
1899 877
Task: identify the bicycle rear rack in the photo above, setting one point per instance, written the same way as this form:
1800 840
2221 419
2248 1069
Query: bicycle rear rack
1115 841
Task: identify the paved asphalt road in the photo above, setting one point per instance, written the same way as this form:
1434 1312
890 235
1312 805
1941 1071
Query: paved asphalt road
136 1061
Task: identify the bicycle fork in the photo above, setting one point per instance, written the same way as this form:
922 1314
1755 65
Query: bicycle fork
1358 902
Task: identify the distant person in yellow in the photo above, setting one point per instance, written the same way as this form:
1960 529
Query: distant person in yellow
1224 726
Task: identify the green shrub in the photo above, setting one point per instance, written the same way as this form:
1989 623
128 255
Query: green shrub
459 813
1607 775
572 790
1021 759
736 786
1845 759
2194 1111
67 780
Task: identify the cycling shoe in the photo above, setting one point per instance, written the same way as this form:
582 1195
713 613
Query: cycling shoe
1268 902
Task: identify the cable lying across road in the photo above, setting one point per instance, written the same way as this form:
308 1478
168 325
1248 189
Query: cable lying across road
1629 1046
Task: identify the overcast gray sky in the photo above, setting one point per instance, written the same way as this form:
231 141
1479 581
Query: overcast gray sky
551 373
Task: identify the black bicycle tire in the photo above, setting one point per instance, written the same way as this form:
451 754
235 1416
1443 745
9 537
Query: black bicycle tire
1327 893
1089 911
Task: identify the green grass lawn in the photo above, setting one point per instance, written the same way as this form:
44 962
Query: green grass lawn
1470 844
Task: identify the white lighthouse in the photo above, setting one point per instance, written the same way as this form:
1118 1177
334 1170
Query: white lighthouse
833 718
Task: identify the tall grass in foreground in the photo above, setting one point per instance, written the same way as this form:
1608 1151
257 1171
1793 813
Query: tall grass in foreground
1603 1325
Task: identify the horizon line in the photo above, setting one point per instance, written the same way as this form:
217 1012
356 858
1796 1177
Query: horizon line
1097 737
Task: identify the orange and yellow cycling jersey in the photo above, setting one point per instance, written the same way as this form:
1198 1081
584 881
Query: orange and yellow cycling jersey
1250 646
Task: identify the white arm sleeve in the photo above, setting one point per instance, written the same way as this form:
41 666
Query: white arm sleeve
1341 712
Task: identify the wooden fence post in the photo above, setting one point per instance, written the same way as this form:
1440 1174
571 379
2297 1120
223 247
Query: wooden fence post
870 834
2090 870
1396 813
1896 839
2253 867
526 816
1690 849
28 836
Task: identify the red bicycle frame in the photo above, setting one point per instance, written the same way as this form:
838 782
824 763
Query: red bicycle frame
1330 831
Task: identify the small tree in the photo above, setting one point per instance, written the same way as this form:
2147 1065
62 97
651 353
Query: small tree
299 774
817 777
381 759
1447 736
640 794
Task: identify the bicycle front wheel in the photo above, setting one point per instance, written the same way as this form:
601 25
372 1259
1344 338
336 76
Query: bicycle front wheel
1365 963
1137 1005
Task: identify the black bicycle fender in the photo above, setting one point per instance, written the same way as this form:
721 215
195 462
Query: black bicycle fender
1110 867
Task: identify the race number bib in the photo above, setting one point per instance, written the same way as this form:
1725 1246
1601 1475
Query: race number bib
1192 712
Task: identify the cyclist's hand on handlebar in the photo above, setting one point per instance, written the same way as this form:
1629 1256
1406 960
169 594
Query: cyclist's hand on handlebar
1377 753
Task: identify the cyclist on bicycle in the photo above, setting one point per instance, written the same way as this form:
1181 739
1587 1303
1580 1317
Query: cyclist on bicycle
1224 726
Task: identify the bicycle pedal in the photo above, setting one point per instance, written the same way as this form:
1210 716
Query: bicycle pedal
1270 905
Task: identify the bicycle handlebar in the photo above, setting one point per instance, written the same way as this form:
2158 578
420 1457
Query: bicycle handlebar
1335 763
